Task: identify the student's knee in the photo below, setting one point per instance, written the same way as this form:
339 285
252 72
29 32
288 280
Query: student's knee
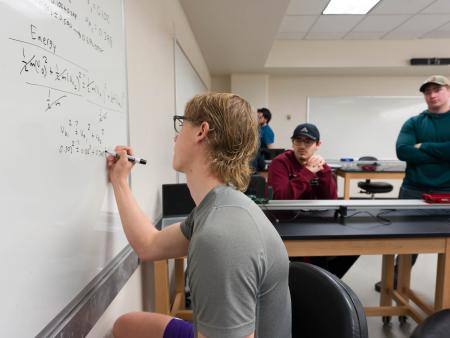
140 325
121 325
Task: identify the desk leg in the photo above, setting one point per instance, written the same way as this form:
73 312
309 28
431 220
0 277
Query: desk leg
387 280
346 188
442 296
179 302
404 274
161 280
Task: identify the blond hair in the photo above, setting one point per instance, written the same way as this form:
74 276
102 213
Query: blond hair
232 136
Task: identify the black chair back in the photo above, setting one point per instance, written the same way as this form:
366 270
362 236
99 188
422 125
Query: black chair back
435 326
256 187
323 306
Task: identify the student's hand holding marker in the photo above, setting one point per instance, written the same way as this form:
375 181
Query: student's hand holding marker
119 166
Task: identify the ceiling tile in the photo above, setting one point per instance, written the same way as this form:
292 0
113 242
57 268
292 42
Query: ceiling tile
444 28
333 35
442 32
437 35
336 23
380 23
402 35
419 25
363 35
439 7
290 35
306 7
400 6
297 23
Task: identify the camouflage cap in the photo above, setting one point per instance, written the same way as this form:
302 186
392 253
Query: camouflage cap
436 79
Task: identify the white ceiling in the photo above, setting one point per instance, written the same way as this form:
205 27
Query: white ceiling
389 19
237 36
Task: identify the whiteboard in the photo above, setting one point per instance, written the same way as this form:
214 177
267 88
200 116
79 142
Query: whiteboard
356 126
64 101
187 84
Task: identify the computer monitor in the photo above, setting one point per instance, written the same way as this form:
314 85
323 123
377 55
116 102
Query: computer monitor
270 154
176 199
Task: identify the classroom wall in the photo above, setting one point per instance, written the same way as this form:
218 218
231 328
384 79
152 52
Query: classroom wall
288 96
151 27
221 84
371 55
287 100
254 87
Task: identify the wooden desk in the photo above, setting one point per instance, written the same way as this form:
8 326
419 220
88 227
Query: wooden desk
349 175
303 240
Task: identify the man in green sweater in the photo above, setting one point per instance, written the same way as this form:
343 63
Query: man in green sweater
424 144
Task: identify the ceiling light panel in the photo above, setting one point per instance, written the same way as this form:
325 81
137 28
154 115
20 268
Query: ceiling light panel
350 6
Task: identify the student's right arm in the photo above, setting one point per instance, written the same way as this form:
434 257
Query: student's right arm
148 242
406 150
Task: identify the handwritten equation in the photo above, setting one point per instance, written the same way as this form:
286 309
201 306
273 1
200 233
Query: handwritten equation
65 77
92 34
79 89
83 138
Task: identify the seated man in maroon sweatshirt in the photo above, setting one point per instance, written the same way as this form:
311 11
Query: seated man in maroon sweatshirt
300 174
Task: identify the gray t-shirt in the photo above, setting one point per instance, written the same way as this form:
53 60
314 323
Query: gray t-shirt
237 268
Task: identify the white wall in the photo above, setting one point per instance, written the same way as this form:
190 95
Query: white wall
221 84
370 54
286 97
253 87
151 29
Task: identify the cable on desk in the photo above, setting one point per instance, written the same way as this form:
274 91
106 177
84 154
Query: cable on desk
378 217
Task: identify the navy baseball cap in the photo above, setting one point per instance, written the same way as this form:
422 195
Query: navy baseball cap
308 130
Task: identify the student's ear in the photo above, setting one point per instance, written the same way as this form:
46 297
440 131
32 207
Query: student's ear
318 143
202 132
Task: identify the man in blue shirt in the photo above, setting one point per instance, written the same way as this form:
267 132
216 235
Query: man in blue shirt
266 134
266 138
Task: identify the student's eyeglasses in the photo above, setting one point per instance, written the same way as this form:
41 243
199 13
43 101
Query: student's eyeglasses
178 122
306 141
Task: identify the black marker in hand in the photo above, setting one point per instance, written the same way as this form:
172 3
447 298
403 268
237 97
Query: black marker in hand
130 158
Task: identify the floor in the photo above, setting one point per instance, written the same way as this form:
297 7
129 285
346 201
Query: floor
366 271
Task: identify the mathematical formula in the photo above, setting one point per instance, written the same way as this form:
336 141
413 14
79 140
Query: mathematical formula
83 138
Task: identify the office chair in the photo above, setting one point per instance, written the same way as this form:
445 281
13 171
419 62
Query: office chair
256 187
435 326
369 187
323 306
